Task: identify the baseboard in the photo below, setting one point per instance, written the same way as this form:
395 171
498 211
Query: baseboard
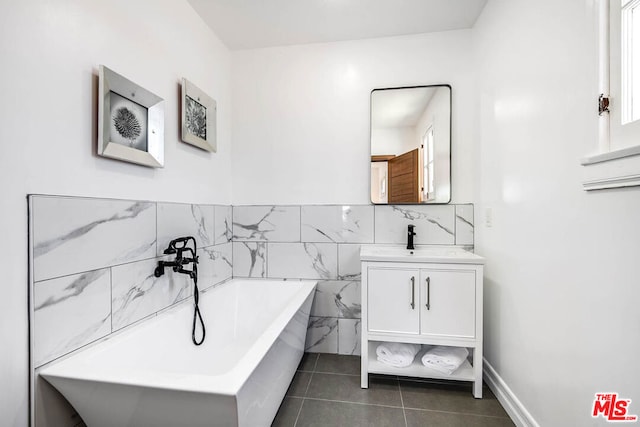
516 410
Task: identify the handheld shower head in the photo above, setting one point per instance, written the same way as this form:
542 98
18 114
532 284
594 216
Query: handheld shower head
178 247
177 244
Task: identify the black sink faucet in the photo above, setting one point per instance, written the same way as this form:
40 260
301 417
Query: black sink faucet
410 234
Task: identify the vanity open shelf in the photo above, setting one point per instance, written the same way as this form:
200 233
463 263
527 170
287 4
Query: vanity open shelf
417 369
430 296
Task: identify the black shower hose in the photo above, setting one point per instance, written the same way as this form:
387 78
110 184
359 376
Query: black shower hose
196 311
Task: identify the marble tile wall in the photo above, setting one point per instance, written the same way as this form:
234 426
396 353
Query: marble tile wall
323 242
92 263
93 259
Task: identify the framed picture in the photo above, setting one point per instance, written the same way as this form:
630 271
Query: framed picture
198 117
130 121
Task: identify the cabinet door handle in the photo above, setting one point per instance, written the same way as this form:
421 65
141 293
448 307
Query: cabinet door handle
428 293
413 292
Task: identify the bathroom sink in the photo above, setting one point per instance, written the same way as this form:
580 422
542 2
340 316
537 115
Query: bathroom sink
432 254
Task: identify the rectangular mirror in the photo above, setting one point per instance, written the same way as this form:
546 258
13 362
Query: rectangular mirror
411 145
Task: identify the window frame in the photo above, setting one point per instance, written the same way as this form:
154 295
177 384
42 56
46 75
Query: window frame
609 167
428 172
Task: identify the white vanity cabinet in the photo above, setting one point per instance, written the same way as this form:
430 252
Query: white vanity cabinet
391 311
427 296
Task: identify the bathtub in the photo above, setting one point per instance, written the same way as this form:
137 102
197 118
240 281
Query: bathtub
153 375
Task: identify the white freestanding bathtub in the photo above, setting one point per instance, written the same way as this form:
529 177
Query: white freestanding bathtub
153 375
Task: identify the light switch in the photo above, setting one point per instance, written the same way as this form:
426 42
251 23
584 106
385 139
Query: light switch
488 217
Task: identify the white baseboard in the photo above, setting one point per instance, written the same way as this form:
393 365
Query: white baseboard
516 410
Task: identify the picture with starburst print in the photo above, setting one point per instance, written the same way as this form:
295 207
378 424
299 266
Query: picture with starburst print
128 125
196 118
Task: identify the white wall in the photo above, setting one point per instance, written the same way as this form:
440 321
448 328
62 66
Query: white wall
562 280
393 140
48 80
301 114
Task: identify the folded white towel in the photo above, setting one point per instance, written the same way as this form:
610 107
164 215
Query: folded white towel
445 359
399 355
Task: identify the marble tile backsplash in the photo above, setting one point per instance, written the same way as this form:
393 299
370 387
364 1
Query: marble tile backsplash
323 242
338 224
464 225
435 224
69 312
93 261
177 220
302 260
267 223
72 235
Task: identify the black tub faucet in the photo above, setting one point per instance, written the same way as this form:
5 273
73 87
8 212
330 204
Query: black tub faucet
410 234
180 247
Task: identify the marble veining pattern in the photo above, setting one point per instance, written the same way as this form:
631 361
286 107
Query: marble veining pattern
83 230
337 299
223 224
349 336
250 259
435 225
464 225
339 224
70 312
137 293
118 288
41 248
180 220
215 265
266 223
312 256
93 261
302 260
322 335
349 262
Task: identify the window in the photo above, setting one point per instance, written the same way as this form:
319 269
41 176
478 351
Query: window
428 185
617 164
624 80
630 60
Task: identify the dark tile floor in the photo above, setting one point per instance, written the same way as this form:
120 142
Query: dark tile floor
326 392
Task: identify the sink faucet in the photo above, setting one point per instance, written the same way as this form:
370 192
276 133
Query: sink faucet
410 234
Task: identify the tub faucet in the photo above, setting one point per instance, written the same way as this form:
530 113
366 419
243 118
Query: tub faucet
410 234
178 247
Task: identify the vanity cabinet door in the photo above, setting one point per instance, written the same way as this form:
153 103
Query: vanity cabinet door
448 303
390 293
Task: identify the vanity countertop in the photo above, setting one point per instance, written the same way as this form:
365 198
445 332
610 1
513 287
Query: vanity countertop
429 254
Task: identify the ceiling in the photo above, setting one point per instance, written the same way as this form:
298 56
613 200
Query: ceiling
392 108
250 24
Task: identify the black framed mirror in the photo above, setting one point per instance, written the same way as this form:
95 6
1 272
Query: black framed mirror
411 145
